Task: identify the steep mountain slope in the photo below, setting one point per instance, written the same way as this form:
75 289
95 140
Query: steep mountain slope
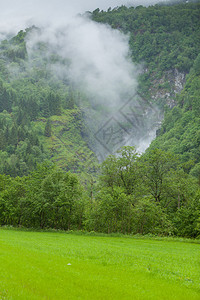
31 99
163 38
180 131
47 117
166 39
42 115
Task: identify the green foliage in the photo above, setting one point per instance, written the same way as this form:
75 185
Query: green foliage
30 91
162 36
179 132
66 146
143 195
48 129
157 165
40 120
121 170
20 149
111 212
187 218
7 97
148 194
29 94
150 218
196 65
47 198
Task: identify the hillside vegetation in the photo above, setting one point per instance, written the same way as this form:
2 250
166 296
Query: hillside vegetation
44 138
163 37
180 130
166 39
39 119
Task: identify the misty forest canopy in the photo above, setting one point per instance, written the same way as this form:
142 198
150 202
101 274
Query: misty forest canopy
45 133
163 37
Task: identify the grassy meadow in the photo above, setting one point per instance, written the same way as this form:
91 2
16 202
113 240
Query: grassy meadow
53 265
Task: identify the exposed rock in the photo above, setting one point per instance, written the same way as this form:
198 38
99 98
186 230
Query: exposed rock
165 89
179 81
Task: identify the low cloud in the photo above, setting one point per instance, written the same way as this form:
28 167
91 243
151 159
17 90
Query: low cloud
17 15
98 57
98 65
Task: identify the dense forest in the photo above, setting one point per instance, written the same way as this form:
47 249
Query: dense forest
147 194
39 118
44 139
167 38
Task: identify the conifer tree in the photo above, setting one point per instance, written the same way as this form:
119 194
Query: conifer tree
48 130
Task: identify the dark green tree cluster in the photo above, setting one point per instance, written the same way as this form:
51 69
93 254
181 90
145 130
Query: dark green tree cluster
48 128
26 95
48 198
147 194
20 149
7 97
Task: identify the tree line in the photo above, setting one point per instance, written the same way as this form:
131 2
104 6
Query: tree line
162 36
132 194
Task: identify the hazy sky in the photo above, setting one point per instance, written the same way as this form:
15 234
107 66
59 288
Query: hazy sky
15 15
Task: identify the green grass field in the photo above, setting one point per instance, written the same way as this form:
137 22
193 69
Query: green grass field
51 265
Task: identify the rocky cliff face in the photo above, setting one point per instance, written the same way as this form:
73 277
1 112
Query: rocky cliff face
164 90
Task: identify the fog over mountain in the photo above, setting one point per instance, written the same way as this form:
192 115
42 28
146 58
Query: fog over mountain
15 15
98 55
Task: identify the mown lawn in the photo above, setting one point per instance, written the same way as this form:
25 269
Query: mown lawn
51 265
